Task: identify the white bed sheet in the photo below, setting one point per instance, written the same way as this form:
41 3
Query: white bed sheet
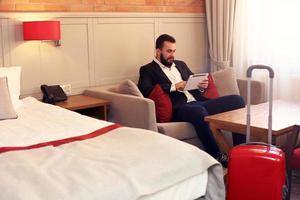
38 122
191 188
124 164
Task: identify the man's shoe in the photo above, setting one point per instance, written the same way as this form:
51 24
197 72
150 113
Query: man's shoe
223 159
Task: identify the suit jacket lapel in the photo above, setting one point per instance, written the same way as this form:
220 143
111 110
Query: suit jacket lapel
157 68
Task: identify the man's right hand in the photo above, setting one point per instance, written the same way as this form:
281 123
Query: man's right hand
180 85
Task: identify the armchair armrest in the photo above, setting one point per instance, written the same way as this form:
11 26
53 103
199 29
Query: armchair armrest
123 104
178 130
257 90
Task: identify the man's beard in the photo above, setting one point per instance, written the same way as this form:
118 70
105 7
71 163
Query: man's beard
165 61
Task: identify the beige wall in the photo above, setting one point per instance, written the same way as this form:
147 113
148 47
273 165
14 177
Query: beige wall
98 49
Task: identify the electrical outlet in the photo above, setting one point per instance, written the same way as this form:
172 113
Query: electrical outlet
66 88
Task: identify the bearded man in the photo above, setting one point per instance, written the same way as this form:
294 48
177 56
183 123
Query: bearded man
188 106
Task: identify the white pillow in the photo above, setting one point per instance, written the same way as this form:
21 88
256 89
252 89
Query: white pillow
6 107
13 75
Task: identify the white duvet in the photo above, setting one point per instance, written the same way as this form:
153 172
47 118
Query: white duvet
39 122
124 163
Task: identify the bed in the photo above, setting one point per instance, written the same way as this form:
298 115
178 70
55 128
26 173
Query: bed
123 163
52 153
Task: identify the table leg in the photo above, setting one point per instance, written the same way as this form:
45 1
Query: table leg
105 112
291 143
219 136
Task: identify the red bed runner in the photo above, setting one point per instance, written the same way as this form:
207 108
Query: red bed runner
62 141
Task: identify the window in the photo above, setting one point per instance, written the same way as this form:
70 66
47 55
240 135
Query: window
268 32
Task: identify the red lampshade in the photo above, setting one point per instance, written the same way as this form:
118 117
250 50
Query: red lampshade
41 30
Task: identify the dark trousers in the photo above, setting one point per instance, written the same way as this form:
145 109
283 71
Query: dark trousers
194 112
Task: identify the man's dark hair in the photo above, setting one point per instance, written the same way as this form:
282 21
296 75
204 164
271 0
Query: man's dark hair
164 38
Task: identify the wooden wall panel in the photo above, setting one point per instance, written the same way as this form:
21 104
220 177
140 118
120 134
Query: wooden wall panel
121 47
191 41
1 44
49 64
98 49
68 63
27 55
4 42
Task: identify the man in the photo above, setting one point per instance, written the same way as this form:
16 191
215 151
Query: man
188 106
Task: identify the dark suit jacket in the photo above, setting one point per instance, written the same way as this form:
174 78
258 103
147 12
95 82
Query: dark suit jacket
151 74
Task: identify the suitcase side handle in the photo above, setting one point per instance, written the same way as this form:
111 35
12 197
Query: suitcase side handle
251 68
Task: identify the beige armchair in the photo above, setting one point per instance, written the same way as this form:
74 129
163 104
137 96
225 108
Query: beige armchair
139 112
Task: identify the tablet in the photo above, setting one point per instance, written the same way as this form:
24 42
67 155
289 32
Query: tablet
192 82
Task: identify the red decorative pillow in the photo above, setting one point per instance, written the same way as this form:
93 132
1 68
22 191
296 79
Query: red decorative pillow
163 104
211 91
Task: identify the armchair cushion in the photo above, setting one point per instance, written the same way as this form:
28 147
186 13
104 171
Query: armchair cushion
163 104
225 82
257 90
129 87
211 91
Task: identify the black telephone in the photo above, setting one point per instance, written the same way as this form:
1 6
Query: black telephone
53 93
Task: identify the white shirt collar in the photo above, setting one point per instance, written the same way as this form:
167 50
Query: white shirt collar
162 65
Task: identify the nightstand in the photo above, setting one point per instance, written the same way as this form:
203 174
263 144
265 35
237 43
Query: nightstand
86 105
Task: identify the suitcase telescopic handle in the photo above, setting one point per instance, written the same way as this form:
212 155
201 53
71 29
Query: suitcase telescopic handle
251 68
249 75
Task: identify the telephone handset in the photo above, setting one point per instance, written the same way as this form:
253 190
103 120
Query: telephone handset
53 93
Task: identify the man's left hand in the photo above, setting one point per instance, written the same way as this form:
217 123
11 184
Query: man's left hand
203 84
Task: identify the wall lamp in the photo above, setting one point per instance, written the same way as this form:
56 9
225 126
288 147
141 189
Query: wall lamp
42 30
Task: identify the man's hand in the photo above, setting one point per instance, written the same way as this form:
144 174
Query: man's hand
203 84
180 85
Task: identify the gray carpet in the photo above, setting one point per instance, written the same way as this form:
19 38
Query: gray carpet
295 195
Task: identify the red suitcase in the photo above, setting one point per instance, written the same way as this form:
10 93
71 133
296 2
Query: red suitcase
256 171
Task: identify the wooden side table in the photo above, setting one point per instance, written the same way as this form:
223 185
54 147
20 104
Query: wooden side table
86 105
286 114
